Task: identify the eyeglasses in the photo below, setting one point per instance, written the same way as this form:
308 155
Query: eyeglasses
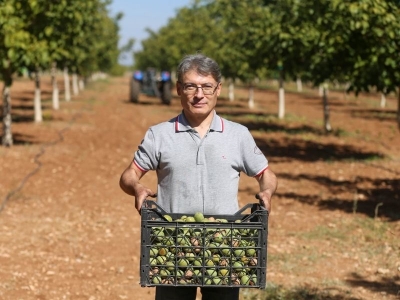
191 88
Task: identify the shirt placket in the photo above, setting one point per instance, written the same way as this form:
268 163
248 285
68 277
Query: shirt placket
201 167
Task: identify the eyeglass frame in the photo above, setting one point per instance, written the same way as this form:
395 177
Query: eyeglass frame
197 88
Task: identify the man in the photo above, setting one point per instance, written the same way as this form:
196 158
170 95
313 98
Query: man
198 157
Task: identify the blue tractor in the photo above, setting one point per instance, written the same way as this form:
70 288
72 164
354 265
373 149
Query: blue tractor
151 83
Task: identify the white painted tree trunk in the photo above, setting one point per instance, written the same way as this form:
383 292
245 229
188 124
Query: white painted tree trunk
7 139
81 83
281 97
75 89
231 91
299 84
281 109
98 76
323 88
56 100
67 85
383 100
251 97
37 102
327 124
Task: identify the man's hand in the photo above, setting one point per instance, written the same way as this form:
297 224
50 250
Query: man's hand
265 200
141 193
129 183
268 184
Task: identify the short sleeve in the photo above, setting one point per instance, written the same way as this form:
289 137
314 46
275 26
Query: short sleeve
146 155
254 161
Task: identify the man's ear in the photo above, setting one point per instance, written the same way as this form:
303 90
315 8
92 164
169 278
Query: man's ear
178 90
219 89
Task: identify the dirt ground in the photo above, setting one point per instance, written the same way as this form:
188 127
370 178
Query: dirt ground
67 231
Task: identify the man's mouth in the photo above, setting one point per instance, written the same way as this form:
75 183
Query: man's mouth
197 104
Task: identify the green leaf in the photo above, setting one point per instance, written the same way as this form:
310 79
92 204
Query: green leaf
48 31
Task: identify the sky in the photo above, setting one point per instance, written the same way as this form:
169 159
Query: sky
142 14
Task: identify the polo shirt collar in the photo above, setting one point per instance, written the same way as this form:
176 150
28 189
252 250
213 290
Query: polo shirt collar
181 123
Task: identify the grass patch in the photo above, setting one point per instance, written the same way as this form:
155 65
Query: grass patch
250 117
47 116
344 133
373 230
295 118
369 236
324 232
99 85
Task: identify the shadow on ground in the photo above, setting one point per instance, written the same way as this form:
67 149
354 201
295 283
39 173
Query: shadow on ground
296 293
386 285
380 197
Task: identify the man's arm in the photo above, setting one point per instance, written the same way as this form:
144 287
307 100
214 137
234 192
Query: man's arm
268 185
130 184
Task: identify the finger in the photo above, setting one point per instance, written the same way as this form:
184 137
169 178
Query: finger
261 201
138 205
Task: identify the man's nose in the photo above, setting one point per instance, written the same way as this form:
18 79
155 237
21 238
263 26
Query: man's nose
199 92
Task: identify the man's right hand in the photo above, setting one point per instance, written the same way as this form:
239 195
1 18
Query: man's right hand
141 194
129 183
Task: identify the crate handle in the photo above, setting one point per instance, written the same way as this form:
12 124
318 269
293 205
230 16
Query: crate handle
247 206
151 204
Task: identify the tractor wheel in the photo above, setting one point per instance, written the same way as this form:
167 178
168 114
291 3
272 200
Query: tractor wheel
166 94
134 90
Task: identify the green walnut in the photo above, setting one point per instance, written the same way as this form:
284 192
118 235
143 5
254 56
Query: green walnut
199 217
156 279
168 218
153 252
183 263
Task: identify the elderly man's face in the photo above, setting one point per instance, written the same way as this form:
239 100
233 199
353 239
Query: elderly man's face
198 94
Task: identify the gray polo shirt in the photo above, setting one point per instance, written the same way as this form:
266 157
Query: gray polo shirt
197 174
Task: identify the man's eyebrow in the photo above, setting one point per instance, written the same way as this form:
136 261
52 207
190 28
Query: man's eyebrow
197 84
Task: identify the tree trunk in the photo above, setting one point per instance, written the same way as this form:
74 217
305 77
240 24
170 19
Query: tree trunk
383 100
346 87
251 96
56 101
231 90
75 89
38 101
81 83
327 124
7 139
281 100
321 90
299 84
67 86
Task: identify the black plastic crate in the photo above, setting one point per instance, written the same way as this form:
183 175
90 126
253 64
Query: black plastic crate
228 251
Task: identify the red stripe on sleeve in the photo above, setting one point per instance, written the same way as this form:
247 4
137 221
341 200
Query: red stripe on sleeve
260 173
139 167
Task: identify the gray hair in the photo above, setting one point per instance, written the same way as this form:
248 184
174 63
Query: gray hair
199 63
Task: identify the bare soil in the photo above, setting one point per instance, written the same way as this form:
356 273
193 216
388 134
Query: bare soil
67 231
